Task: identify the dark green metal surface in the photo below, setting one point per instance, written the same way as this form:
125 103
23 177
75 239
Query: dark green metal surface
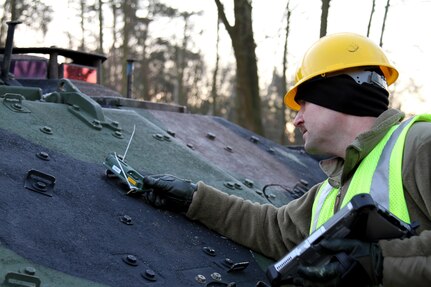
87 232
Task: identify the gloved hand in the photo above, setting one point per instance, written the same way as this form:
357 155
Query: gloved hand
169 192
357 263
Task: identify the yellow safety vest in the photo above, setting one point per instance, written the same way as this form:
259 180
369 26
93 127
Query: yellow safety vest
379 174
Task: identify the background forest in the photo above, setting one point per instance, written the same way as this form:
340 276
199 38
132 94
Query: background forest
169 65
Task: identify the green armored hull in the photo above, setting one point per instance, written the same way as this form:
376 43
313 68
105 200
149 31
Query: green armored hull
67 221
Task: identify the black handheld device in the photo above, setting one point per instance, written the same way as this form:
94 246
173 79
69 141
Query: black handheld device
362 218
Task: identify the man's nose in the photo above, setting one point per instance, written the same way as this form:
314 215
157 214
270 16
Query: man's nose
298 119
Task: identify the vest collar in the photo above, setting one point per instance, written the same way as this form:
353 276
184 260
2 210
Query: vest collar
339 170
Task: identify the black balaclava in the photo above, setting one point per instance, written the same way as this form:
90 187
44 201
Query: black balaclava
341 93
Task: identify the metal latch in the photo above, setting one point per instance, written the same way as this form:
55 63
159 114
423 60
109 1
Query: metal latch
40 182
14 103
231 266
81 105
19 279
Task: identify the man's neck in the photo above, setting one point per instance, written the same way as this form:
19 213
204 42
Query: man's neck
352 127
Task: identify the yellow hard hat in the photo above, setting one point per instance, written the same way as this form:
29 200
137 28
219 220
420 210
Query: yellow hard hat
338 52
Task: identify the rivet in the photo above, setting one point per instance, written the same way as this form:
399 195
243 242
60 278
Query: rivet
228 261
131 260
200 278
211 136
259 192
189 145
237 185
228 148
216 276
43 155
126 219
149 275
30 270
17 106
271 150
46 130
229 185
254 139
272 195
171 133
248 183
166 138
158 137
40 185
96 122
115 123
304 182
76 107
210 251
118 134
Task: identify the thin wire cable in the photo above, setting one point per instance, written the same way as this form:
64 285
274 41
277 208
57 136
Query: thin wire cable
130 140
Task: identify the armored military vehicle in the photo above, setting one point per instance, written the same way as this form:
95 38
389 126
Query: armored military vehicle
66 216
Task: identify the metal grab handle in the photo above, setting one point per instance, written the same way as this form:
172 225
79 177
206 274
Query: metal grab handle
14 279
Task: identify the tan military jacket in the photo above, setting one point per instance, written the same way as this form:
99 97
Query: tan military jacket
274 231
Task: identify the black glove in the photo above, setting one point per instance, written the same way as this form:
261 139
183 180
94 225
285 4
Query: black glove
169 192
355 263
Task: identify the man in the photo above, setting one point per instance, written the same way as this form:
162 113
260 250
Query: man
342 102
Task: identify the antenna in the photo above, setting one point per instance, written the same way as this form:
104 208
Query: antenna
130 140
124 158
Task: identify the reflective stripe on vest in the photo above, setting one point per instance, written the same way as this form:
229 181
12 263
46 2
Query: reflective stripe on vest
379 173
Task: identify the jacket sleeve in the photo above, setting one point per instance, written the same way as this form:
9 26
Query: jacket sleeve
408 262
264 228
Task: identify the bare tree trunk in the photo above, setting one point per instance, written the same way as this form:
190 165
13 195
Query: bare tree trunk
181 61
145 69
216 68
324 17
100 11
114 63
13 10
3 23
284 76
100 48
248 104
128 14
114 26
384 22
371 18
82 15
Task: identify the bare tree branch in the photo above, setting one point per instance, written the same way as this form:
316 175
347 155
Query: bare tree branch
371 18
384 22
223 18
324 17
